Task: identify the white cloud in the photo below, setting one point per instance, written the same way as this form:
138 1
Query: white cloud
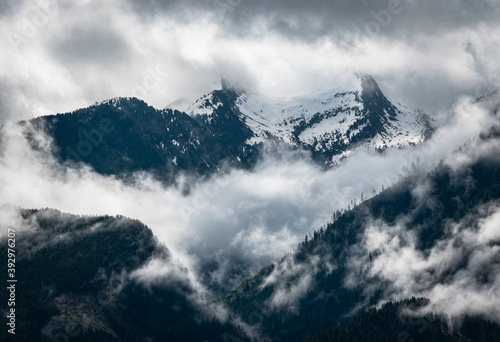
459 274
292 281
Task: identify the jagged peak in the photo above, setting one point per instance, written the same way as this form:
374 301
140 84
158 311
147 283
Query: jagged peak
368 83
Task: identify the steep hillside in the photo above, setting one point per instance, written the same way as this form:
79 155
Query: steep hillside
125 135
396 322
93 279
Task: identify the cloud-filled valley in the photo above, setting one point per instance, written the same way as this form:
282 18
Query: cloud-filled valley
237 221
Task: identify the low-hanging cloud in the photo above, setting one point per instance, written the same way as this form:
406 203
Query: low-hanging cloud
459 274
292 281
231 225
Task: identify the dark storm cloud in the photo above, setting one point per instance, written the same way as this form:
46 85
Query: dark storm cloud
89 45
7 7
319 18
157 7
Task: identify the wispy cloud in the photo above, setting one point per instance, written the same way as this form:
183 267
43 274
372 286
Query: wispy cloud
460 274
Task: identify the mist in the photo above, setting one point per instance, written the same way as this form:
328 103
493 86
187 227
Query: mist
460 274
238 221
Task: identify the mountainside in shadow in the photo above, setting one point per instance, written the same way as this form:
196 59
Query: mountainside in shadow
396 322
92 279
125 135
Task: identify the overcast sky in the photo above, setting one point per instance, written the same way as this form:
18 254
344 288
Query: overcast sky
58 56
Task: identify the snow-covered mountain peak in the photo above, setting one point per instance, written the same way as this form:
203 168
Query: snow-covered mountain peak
280 116
331 120
205 105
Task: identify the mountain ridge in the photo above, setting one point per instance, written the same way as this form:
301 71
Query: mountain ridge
230 126
360 115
